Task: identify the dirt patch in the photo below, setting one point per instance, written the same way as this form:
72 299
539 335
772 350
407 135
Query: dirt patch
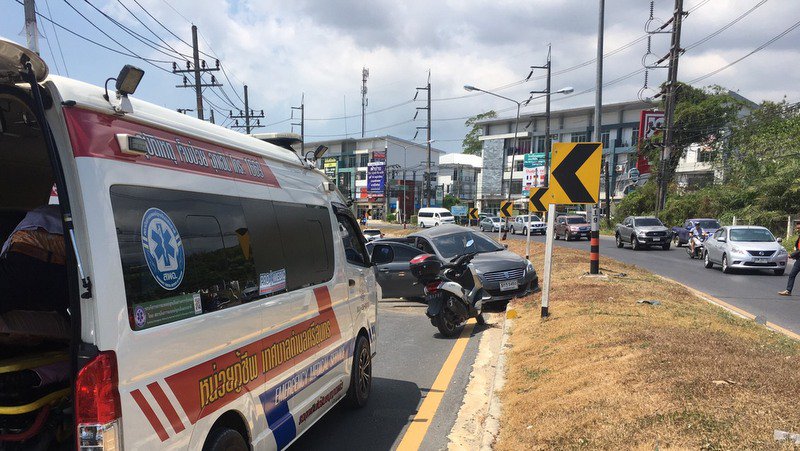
604 372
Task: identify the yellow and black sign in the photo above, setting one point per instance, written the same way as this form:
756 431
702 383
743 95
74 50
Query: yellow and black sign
506 209
473 213
575 173
535 201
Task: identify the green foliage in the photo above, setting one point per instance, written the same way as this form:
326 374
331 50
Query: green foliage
391 217
450 200
471 145
413 219
639 202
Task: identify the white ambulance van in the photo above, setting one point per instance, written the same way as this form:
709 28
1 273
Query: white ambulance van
220 295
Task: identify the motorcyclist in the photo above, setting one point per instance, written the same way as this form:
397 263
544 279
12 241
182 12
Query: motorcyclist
697 238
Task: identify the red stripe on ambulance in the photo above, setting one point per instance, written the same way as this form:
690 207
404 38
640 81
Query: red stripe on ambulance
205 388
166 406
150 414
94 135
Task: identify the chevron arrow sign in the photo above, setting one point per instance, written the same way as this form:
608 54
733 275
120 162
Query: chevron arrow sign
536 201
575 173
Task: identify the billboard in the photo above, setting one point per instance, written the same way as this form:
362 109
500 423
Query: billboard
376 177
330 166
458 210
651 123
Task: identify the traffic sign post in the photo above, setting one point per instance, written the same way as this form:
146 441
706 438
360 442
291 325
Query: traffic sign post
506 211
574 179
473 214
534 205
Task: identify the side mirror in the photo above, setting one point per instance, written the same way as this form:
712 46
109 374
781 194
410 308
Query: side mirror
722 239
382 254
779 239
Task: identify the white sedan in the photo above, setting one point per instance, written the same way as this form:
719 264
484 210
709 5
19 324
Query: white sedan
745 247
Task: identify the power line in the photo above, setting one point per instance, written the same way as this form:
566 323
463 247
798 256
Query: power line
151 30
50 47
58 41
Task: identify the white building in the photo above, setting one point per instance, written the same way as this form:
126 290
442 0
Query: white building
459 175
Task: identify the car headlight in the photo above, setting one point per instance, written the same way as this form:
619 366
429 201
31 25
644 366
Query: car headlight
782 251
642 233
529 268
737 250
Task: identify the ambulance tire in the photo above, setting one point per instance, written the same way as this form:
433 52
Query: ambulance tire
360 375
225 439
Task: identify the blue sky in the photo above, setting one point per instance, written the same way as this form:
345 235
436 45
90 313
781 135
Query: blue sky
284 49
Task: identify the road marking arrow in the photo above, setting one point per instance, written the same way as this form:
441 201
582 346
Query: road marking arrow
535 200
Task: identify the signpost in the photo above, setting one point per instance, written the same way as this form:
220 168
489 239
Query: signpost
473 214
330 166
536 205
376 177
458 210
574 179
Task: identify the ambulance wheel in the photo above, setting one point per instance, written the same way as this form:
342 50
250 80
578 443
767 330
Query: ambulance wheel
361 375
225 439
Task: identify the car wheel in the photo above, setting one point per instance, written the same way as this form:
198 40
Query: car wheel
707 261
567 237
513 232
665 247
725 268
361 375
619 241
677 241
524 230
635 244
555 234
225 439
779 272
436 224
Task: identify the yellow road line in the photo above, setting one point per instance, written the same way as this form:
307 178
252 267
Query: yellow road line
416 431
733 308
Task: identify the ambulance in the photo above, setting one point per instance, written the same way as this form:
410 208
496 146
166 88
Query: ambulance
220 294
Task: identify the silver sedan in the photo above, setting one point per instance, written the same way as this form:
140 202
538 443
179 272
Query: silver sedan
745 247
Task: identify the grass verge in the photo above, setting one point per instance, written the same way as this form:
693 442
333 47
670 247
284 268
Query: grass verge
604 372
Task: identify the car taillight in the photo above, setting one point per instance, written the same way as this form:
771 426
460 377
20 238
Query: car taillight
432 287
419 259
97 404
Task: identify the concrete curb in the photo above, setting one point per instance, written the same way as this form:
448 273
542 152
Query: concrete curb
491 424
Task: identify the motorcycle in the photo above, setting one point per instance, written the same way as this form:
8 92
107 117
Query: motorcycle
698 248
453 291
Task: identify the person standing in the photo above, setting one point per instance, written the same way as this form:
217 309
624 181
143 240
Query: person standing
795 255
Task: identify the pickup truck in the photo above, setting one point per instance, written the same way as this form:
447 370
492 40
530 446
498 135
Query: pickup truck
681 234
643 231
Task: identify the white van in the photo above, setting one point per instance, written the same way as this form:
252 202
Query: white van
220 295
430 217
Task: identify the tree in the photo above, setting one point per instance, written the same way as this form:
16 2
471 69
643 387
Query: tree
471 145
450 200
701 117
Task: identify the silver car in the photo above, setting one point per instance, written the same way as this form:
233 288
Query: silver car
521 224
492 224
745 247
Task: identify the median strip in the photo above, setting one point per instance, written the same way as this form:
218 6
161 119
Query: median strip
610 373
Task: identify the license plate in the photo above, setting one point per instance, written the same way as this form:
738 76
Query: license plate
508 285
762 260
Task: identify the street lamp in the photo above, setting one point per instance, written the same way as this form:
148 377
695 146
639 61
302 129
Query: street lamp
514 151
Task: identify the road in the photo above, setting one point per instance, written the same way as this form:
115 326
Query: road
753 291
410 355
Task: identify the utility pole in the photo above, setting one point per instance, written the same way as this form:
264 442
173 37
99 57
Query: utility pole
248 115
302 124
428 128
31 31
669 103
197 67
364 100
594 253
211 119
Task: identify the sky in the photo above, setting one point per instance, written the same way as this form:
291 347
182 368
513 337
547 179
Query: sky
284 50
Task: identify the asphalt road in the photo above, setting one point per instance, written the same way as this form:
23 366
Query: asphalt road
753 291
410 354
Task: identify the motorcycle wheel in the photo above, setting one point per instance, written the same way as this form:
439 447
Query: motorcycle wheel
447 325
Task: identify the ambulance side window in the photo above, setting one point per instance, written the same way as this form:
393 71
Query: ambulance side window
353 248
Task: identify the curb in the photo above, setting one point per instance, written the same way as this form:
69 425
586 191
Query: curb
491 425
733 309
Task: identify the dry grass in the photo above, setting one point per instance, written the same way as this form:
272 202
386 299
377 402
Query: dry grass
607 373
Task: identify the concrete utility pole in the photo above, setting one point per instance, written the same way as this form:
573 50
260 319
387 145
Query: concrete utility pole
197 67
248 115
302 124
364 100
31 31
594 253
669 103
428 128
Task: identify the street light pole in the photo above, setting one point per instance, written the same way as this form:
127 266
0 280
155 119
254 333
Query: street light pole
513 152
